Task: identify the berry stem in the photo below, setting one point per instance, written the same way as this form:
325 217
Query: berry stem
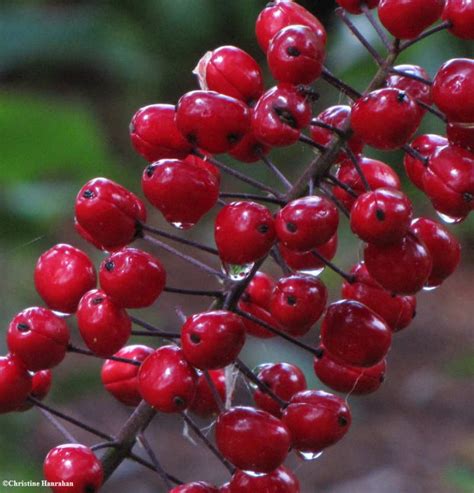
432 110
252 196
187 258
194 292
184 241
429 32
275 170
152 330
348 277
335 200
207 442
355 162
342 185
318 123
214 391
378 29
86 352
307 140
69 437
411 76
154 460
415 154
340 85
277 257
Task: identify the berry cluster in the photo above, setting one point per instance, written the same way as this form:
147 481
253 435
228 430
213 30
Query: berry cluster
233 113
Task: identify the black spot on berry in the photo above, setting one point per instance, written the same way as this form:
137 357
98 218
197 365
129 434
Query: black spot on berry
88 194
98 300
233 138
179 401
109 266
342 420
402 97
263 228
192 139
291 227
468 197
285 117
382 378
195 339
89 488
23 327
293 51
291 300
380 214
150 170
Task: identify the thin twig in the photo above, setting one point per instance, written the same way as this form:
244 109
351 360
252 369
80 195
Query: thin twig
341 86
154 460
330 195
432 110
50 417
275 170
348 277
214 391
252 196
194 292
415 154
427 82
309 141
152 330
87 352
429 32
378 28
355 162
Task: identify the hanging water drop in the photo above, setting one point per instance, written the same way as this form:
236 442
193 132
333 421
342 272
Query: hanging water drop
237 272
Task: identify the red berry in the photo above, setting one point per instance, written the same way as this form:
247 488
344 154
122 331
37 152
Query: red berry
132 278
40 387
154 133
104 326
306 223
308 262
167 381
252 440
453 90
377 174
244 232
355 6
62 275
204 403
249 149
298 302
281 480
354 334
346 378
195 487
204 164
211 120
284 380
409 18
397 311
259 290
38 337
460 13
316 420
461 134
381 216
75 464
121 379
231 71
417 90
336 116
253 328
426 145
15 383
296 55
183 192
444 248
283 13
280 114
401 268
108 213
449 180
385 119
212 340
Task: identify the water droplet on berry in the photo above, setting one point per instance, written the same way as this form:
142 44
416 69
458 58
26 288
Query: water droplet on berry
449 219
237 272
182 226
256 371
308 456
312 272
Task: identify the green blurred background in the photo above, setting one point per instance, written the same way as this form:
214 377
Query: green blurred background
71 75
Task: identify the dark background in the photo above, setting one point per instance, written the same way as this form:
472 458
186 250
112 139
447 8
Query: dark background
71 75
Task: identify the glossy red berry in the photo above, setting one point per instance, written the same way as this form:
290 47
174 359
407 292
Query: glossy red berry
104 326
284 379
167 381
397 311
283 13
38 337
385 119
40 387
15 383
416 89
62 275
253 328
121 379
444 249
181 191
132 278
460 13
354 334
249 149
355 6
259 290
204 163
212 340
204 403
295 55
212 121
252 440
449 180
231 71
75 464
154 133
407 19
401 268
297 303
381 216
195 487
108 213
244 232
280 114
281 480
309 262
306 223
453 90
461 134
346 378
316 420
336 116
377 174
426 145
